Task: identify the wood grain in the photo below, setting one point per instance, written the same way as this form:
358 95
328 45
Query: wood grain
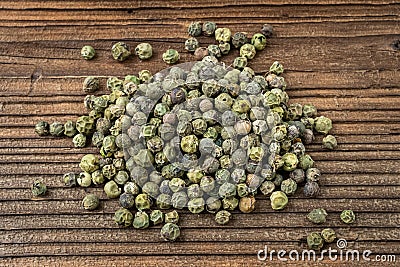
337 55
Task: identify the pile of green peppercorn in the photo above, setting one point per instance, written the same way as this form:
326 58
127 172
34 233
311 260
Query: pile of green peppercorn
200 135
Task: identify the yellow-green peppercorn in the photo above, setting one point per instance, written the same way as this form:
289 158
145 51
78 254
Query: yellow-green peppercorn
240 62
88 52
42 128
112 190
196 205
38 188
348 216
191 44
89 163
170 232
213 50
144 51
90 202
157 217
145 76
317 216
289 186
171 56
190 144
224 48
241 106
247 204
223 35
97 177
120 51
91 84
248 51
329 142
56 129
195 29
141 220
315 241
256 153
323 124
84 179
290 161
276 68
279 200
309 110
328 235
123 217
69 129
69 179
114 83
230 203
222 217
85 125
209 28
171 217
259 41
143 201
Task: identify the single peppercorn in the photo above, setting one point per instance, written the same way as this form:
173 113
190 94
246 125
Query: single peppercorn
69 129
247 204
91 84
328 235
259 41
90 202
224 48
223 35
191 44
156 217
323 124
170 232
171 56
240 62
112 190
88 52
348 216
84 179
143 201
127 200
42 128
329 142
222 217
311 189
38 188
123 217
144 51
248 51
289 186
209 28
213 50
267 30
313 174
79 140
195 29
69 179
317 216
279 200
239 39
120 51
276 68
141 220
315 241
56 129
89 163
171 217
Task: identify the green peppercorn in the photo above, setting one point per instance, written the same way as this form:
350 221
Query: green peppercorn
209 28
190 144
317 216
42 128
195 29
171 217
120 51
85 125
239 39
90 202
309 110
123 217
142 201
323 124
164 201
112 190
89 163
279 200
329 142
84 179
223 35
276 68
213 50
69 179
56 129
38 188
170 232
240 62
88 52
191 44
213 204
144 51
259 41
328 235
230 203
227 190
290 161
305 161
267 188
69 129
156 217
248 51
289 186
348 216
171 56
224 48
196 205
222 217
315 241
141 220
313 174
97 177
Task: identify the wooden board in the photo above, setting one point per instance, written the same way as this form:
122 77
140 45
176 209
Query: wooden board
338 55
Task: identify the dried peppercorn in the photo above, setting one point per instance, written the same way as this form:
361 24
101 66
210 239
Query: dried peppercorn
88 52
120 51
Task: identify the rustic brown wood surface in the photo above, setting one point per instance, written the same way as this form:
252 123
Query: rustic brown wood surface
338 55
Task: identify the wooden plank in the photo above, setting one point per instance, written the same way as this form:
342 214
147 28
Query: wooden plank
266 221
